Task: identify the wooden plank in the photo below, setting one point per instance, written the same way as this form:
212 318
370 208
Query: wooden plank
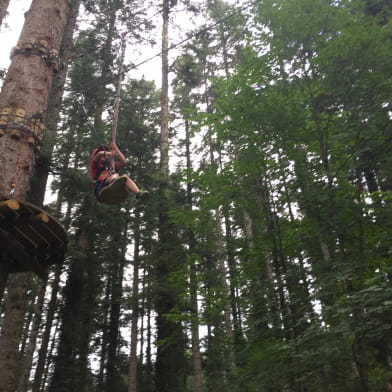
54 235
57 229
31 236
20 234
8 205
35 231
38 243
10 228
17 252
9 208
28 209
38 239
28 219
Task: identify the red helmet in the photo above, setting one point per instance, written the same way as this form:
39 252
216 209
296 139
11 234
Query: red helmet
103 147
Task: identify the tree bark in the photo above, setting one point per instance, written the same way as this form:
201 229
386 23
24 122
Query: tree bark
12 330
67 363
4 272
170 351
25 92
52 114
26 87
3 9
43 350
221 257
24 381
195 337
112 369
132 377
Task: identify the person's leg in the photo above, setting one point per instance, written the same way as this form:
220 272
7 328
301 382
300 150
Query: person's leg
131 186
141 196
109 179
98 187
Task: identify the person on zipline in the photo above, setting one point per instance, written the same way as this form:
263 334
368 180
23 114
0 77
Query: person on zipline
104 175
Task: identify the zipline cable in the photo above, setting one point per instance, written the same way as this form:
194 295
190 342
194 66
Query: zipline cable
173 46
194 35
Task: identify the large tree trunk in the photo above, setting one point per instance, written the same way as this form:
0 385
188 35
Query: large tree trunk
38 185
52 114
25 93
26 88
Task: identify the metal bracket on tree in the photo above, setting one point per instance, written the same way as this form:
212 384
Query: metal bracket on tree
39 48
20 127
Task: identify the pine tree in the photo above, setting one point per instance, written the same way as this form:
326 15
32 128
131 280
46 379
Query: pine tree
170 375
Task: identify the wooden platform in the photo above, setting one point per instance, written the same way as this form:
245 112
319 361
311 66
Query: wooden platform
31 238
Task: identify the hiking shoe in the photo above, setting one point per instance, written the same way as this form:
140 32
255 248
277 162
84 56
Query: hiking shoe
142 197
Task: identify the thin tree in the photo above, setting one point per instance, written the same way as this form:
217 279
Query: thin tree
170 351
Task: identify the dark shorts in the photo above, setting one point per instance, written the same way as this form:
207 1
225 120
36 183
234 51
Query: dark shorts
98 187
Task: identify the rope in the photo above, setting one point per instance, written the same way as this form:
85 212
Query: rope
118 96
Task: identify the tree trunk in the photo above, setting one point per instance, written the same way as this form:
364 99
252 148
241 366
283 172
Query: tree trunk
149 328
170 351
112 368
132 377
26 88
3 9
52 114
52 347
12 330
195 338
221 252
25 93
43 350
4 272
67 367
225 291
27 361
104 339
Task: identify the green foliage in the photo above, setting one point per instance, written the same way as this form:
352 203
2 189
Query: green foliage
301 130
286 179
